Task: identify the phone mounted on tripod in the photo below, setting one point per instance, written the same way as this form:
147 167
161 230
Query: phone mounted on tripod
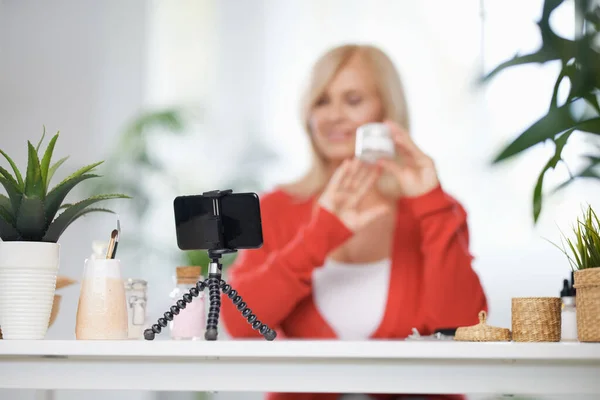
220 222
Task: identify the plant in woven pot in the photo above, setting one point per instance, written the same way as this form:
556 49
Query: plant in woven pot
583 253
31 223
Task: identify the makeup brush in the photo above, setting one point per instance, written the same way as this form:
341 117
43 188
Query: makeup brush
111 245
114 252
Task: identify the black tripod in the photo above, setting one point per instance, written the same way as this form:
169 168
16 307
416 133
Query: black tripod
215 284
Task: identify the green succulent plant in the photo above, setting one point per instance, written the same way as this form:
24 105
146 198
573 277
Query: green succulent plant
30 211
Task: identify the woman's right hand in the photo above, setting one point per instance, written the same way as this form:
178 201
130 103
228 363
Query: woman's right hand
348 186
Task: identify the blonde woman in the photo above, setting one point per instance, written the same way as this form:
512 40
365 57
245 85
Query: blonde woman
355 251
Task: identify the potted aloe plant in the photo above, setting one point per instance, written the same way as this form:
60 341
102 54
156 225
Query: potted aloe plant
583 253
33 217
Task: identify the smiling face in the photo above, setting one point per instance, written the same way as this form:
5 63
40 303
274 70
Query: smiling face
350 100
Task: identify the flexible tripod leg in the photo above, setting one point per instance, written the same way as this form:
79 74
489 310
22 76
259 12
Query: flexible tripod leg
150 333
264 330
215 285
214 308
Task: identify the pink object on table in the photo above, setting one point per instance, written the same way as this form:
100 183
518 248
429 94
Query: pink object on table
190 323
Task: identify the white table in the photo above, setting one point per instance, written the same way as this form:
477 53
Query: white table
304 366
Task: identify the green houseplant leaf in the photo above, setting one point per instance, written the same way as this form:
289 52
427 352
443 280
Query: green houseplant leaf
6 175
7 231
58 226
580 66
589 171
539 57
53 238
33 180
81 171
584 246
28 211
37 148
5 204
31 219
53 169
553 46
552 163
45 163
57 195
557 121
7 220
18 175
13 194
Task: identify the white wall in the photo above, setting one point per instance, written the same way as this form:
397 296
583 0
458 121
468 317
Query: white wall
77 67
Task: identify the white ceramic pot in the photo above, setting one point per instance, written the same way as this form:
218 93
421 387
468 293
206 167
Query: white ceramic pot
28 272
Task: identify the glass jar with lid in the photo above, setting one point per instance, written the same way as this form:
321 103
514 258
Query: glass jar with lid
137 298
190 323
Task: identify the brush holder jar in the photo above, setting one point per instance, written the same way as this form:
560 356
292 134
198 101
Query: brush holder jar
102 307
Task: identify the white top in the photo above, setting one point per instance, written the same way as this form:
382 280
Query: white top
352 297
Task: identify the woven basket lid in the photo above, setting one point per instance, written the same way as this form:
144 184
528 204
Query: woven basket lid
482 332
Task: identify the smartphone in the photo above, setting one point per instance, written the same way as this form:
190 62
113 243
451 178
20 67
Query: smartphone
198 218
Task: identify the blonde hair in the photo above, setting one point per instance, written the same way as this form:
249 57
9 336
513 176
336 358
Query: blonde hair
389 87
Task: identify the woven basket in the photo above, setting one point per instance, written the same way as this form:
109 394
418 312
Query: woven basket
536 319
587 285
482 332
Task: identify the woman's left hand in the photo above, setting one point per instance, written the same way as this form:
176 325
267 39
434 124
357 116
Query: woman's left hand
415 171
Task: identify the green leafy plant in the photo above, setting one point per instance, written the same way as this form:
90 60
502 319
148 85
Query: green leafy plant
580 112
30 211
583 250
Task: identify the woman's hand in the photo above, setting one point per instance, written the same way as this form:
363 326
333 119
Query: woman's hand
342 196
415 172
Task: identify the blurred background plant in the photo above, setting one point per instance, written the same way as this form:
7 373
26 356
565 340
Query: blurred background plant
580 111
137 165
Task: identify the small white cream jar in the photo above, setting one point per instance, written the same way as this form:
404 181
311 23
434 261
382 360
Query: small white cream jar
374 141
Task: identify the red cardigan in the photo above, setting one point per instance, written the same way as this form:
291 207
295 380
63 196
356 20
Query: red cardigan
432 284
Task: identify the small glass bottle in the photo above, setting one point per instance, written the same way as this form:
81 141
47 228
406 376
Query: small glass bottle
374 141
136 290
568 326
190 323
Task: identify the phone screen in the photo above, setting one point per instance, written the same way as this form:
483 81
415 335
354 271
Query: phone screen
192 214
240 215
242 221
